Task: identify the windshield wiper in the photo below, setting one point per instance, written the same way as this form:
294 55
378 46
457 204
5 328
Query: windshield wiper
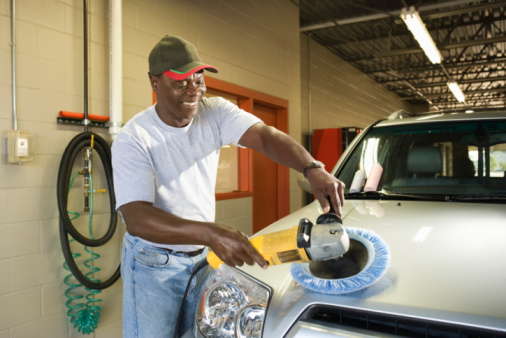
477 198
393 196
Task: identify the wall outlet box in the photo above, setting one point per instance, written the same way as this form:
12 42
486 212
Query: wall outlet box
20 146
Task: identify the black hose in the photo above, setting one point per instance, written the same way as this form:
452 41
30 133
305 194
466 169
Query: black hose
197 269
74 148
71 263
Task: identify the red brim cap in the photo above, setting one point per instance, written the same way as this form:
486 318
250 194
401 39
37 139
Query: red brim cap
181 76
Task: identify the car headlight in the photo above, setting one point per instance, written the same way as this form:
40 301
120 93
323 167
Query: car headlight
232 305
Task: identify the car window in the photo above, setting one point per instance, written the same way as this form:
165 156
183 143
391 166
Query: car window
431 158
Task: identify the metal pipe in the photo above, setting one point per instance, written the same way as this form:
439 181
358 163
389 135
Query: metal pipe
115 68
13 51
309 87
85 40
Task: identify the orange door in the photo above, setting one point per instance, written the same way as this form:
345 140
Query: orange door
265 178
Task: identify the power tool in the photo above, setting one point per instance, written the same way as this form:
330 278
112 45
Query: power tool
327 239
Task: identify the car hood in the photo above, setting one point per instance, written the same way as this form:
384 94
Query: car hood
445 268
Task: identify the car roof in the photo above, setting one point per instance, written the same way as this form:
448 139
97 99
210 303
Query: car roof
402 117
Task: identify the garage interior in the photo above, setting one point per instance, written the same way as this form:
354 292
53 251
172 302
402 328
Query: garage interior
371 36
336 63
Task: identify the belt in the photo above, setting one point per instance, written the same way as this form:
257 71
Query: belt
185 253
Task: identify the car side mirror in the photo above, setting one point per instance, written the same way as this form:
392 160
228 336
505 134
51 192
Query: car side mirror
304 183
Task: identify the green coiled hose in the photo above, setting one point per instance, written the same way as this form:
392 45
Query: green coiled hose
84 316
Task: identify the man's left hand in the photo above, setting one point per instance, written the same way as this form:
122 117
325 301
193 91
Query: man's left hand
327 189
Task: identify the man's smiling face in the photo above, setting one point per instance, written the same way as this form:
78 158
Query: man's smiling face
177 100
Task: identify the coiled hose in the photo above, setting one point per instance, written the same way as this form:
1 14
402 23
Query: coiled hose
84 316
75 146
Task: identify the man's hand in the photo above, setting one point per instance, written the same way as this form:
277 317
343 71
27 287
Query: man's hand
327 189
234 248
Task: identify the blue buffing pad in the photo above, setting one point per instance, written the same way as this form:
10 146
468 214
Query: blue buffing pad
376 266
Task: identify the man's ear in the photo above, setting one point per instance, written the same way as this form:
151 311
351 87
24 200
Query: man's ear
154 82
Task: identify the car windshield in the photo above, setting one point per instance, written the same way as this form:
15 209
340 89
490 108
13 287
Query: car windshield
451 161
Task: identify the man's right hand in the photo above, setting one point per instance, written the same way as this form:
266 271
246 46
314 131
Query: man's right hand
155 225
234 248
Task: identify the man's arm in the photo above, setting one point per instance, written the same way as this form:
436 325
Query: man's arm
283 149
131 168
154 224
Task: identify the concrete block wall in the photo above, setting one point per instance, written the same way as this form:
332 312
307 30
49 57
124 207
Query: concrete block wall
236 213
49 78
335 94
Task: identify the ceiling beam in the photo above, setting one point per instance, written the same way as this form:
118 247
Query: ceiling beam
435 84
469 92
407 51
396 13
462 81
454 65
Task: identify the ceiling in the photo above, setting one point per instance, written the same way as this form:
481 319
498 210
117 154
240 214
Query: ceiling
369 34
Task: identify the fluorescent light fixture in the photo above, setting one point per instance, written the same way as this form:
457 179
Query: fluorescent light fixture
457 92
417 27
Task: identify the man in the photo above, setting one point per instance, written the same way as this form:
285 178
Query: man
165 161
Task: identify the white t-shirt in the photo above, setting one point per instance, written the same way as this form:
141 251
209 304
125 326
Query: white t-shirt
175 168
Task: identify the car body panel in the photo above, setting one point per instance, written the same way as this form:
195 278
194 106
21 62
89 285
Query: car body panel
421 262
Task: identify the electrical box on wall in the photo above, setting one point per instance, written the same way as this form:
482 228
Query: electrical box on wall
20 146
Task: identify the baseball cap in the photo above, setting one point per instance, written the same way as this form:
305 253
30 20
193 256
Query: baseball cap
176 58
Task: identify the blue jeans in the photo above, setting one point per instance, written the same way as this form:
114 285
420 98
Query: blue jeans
154 283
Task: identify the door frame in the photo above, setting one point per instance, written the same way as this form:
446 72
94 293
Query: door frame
246 100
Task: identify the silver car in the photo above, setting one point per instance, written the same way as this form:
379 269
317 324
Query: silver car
437 205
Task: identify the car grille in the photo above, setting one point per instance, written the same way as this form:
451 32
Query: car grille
378 323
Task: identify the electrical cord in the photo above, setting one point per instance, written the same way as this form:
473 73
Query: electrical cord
197 269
